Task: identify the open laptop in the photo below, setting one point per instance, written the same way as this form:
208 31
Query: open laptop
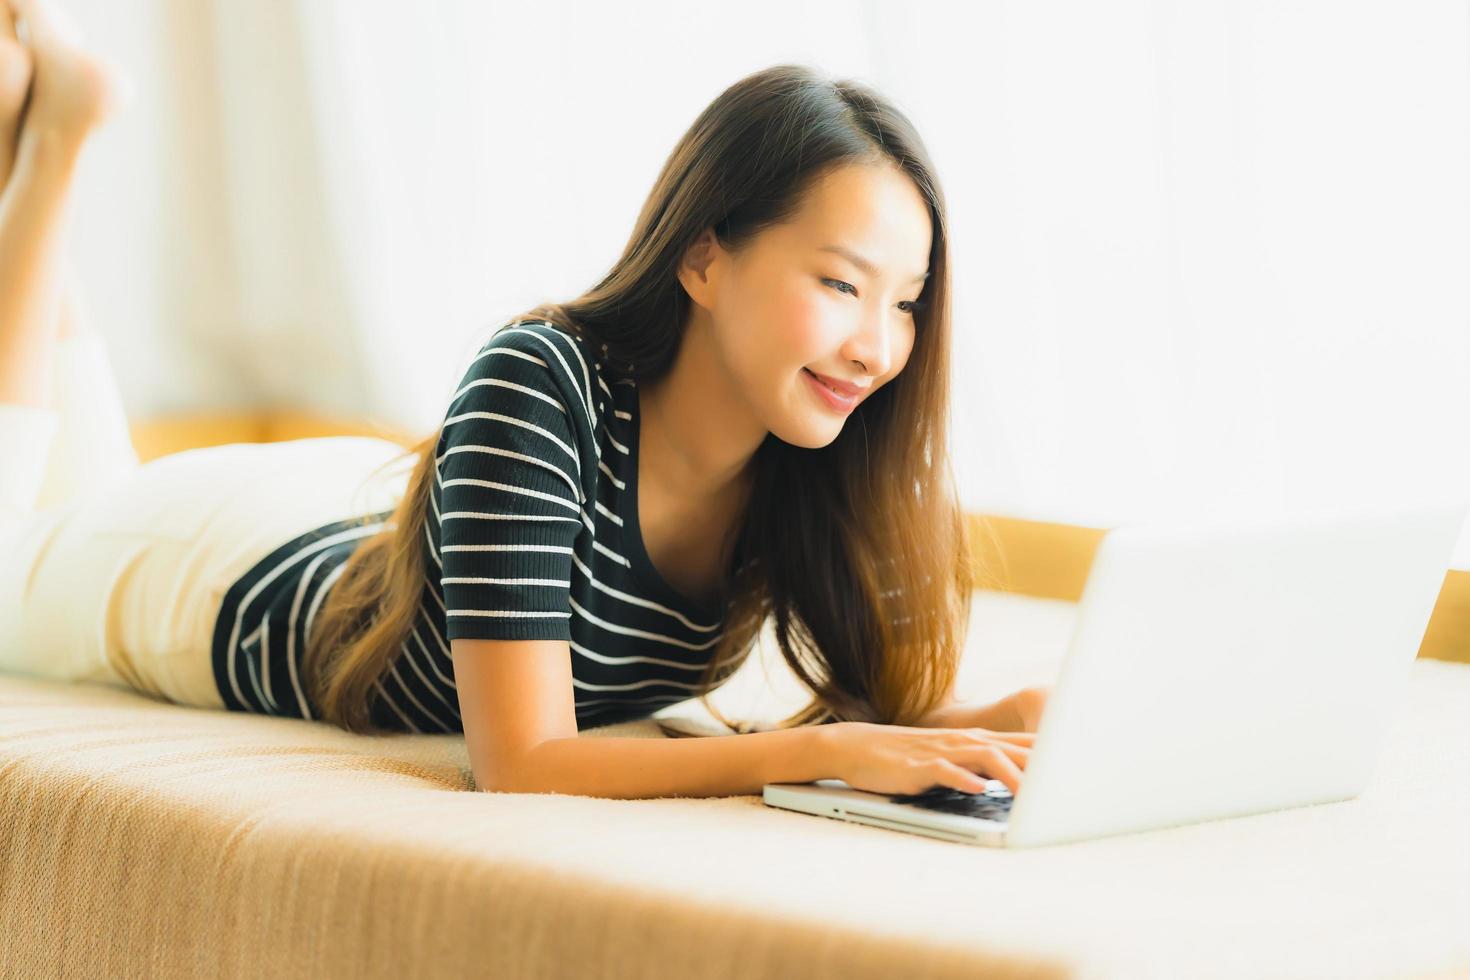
1215 670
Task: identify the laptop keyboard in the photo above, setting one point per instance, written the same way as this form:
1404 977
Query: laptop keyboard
993 804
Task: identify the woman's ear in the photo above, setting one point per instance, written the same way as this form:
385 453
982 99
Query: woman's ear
695 268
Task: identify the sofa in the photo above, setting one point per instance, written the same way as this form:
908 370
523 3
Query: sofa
144 839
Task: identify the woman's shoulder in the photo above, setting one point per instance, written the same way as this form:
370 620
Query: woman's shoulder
540 355
530 334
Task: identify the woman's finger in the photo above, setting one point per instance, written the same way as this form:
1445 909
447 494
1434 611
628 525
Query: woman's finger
1018 738
993 759
1016 753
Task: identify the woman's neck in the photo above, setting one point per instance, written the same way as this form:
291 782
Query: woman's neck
697 436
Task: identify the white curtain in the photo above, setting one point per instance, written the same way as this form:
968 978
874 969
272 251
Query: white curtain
1210 255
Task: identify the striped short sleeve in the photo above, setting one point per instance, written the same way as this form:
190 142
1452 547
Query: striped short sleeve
510 490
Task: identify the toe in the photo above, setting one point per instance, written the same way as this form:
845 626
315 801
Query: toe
10 12
15 74
46 19
12 27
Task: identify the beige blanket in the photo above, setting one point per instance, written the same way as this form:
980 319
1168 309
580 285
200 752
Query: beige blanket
144 839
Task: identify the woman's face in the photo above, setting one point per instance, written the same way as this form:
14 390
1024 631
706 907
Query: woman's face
791 303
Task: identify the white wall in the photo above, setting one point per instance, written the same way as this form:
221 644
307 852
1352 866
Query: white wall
1210 256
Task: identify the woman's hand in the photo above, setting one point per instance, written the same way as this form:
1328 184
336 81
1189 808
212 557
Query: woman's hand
1028 704
895 759
1018 712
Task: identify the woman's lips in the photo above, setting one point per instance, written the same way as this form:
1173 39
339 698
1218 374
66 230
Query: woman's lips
844 388
837 402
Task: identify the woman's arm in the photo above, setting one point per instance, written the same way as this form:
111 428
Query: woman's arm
520 727
1017 712
641 768
874 758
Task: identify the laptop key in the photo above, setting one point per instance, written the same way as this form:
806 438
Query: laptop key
992 804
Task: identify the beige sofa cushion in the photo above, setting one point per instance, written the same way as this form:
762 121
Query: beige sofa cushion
146 839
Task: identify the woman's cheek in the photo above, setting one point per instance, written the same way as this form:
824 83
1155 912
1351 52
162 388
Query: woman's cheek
806 327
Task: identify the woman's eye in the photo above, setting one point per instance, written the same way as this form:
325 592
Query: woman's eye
913 305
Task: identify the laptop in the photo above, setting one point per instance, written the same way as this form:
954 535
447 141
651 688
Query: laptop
1214 670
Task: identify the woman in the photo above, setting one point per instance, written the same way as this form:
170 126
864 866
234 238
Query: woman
743 422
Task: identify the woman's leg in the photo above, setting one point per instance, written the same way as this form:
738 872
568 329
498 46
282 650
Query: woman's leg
15 86
61 420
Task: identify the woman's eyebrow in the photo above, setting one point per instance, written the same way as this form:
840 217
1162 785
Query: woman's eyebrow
869 269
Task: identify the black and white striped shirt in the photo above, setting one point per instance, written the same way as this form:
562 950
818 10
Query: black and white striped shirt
532 534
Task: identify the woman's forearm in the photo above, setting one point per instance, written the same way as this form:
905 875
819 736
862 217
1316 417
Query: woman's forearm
998 716
646 768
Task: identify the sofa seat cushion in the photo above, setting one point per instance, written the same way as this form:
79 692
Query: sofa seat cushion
143 838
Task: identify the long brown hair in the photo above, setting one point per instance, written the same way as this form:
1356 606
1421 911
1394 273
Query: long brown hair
857 552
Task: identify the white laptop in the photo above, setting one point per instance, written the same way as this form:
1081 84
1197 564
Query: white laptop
1215 670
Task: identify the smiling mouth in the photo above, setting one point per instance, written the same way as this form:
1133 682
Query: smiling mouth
846 398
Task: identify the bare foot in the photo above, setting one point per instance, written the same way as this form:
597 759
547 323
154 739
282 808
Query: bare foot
15 83
74 91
